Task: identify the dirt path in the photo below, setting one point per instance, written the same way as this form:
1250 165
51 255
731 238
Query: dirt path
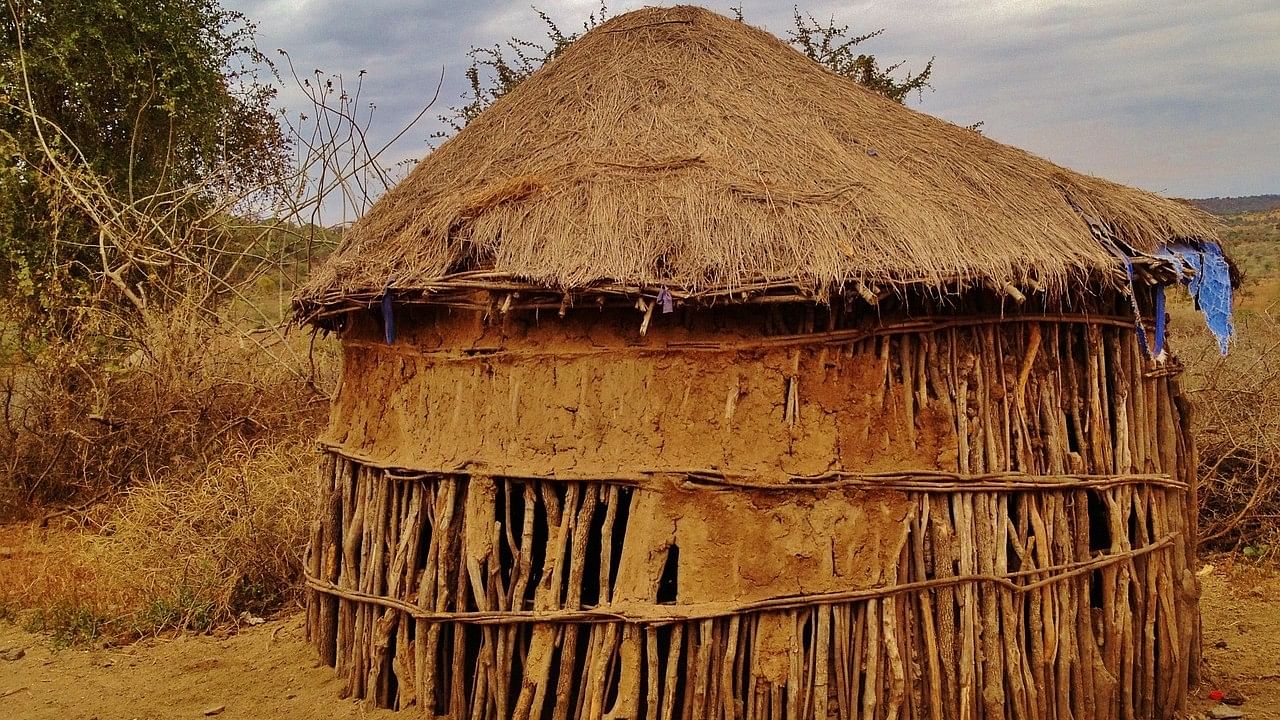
269 671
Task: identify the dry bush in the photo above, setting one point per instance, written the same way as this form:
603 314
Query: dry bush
1237 424
177 477
78 426
155 413
185 468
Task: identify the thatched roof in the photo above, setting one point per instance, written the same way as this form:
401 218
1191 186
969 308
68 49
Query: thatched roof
677 148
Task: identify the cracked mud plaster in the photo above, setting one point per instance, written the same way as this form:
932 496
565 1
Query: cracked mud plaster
581 396
747 545
586 395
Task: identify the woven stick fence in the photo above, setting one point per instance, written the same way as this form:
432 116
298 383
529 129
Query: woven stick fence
1044 573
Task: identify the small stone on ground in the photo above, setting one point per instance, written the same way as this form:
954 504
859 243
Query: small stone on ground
215 710
1225 712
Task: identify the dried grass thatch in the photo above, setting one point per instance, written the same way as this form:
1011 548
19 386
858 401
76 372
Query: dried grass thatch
676 147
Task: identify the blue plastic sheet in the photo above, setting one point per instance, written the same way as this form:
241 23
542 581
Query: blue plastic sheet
1210 285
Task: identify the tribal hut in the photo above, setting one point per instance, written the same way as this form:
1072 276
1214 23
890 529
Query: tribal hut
691 380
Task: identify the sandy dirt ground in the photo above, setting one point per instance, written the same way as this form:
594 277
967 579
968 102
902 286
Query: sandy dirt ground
269 671
1240 611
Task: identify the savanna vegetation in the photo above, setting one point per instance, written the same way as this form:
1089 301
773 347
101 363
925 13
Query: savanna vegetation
1237 397
157 209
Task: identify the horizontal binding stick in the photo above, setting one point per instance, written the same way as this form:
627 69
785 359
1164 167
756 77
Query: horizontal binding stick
829 337
910 480
1056 574
946 483
460 289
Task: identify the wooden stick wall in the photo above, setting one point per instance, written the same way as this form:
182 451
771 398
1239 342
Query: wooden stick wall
478 598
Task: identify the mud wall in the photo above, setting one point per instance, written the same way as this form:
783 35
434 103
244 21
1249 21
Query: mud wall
588 395
739 515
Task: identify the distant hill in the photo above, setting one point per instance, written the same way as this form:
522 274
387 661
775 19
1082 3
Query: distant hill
1253 239
1237 205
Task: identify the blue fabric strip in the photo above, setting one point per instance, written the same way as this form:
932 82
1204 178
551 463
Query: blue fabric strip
1160 319
388 317
668 302
1133 301
1213 293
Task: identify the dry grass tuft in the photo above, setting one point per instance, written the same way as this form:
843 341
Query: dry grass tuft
190 556
52 582
233 537
173 554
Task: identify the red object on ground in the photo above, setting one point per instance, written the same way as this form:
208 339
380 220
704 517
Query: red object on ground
1216 695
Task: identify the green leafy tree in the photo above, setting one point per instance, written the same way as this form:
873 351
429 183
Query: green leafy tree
496 69
153 93
144 100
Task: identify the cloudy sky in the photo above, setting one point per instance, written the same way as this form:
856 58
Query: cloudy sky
1181 97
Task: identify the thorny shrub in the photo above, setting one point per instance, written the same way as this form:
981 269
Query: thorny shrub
1236 418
